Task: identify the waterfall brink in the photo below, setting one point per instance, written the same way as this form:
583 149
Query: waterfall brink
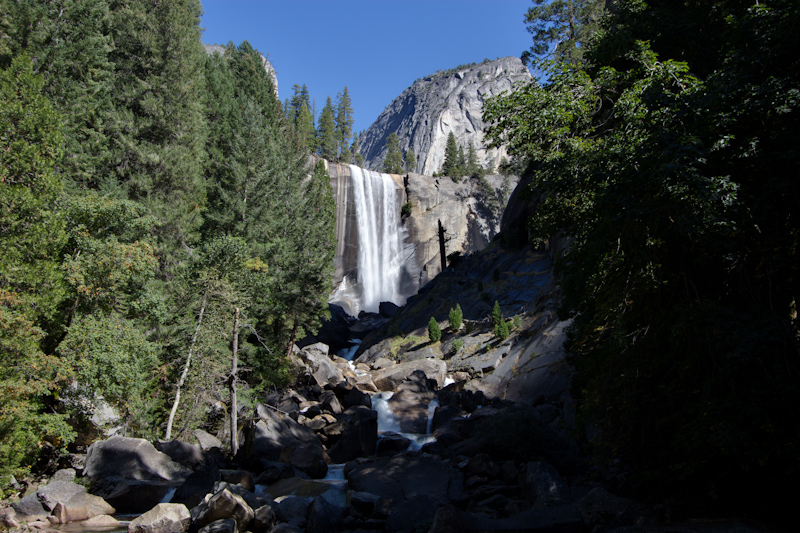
380 250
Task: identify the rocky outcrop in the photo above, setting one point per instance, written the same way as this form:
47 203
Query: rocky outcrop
449 101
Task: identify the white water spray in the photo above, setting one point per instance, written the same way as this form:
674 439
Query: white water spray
380 250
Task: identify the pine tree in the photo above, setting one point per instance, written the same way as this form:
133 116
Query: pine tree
159 129
327 144
562 28
450 167
393 164
434 331
500 324
455 317
411 161
358 159
473 169
344 122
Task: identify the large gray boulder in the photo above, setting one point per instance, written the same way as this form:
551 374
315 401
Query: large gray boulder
163 518
275 437
354 434
318 364
389 378
62 501
222 505
134 459
131 474
434 106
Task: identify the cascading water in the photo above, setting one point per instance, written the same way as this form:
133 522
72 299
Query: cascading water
380 251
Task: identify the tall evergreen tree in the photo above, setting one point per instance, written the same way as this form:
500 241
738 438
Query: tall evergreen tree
159 129
393 163
358 159
327 143
344 122
411 160
450 167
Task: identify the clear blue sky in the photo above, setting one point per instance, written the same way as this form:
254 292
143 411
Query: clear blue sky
377 48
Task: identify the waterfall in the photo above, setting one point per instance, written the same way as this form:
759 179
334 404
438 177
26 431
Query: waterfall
380 250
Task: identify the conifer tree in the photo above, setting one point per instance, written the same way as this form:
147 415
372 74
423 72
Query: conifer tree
159 129
327 143
393 164
450 167
344 122
411 161
434 331
358 159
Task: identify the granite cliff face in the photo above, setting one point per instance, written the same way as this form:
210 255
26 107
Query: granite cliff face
462 209
450 101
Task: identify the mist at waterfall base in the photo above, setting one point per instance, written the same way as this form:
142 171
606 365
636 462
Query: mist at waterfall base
383 250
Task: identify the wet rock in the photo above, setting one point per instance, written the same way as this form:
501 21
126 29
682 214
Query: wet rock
391 444
163 518
100 521
223 504
294 509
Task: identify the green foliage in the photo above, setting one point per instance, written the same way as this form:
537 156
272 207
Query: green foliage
327 142
452 163
393 163
562 28
517 322
457 345
406 209
344 124
499 323
455 317
434 332
669 163
411 161
32 230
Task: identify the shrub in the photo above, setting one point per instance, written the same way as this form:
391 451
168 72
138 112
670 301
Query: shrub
434 333
455 318
517 322
406 209
457 345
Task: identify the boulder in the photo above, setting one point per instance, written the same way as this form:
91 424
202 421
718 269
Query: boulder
319 365
263 519
388 309
274 437
238 477
323 517
103 521
224 504
188 455
133 459
81 506
404 478
412 515
409 404
389 378
206 440
601 509
294 509
59 491
197 485
224 525
163 518
356 434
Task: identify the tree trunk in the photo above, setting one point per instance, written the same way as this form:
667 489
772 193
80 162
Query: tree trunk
291 341
442 250
234 370
185 371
